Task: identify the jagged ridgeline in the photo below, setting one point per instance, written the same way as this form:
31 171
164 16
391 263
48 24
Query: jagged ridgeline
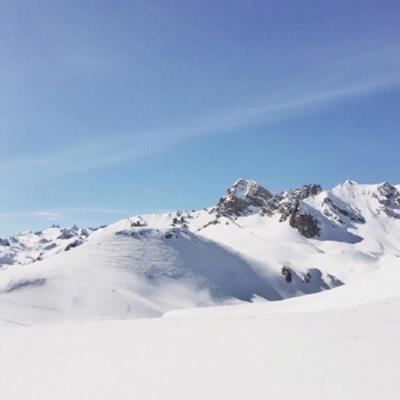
330 210
253 244
248 197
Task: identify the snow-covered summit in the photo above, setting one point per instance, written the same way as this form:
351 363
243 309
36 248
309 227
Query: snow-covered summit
315 213
246 197
253 245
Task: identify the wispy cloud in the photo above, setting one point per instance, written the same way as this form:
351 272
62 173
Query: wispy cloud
293 107
95 210
56 215
51 215
128 146
30 214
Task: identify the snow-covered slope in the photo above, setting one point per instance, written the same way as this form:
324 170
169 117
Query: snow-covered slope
357 226
126 272
285 350
333 344
253 245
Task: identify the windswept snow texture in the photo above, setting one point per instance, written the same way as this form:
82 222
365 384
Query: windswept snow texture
128 272
337 344
254 245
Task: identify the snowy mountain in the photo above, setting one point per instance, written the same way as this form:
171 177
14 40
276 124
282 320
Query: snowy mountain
251 247
254 245
30 247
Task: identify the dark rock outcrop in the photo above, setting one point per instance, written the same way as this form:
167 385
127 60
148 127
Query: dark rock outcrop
339 211
66 234
4 242
287 274
244 198
306 224
247 197
288 200
73 244
386 193
389 198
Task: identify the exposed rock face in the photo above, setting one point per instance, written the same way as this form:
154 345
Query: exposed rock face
243 198
4 242
68 233
247 197
386 193
340 211
389 197
138 222
287 274
74 244
303 192
288 201
306 224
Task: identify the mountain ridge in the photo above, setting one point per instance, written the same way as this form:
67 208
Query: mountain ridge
254 245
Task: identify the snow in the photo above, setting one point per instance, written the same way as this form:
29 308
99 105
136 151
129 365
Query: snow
148 265
184 305
125 272
242 187
251 351
28 247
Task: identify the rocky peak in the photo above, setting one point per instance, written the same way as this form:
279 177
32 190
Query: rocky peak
386 193
389 198
303 192
247 197
244 197
289 200
348 182
300 219
249 190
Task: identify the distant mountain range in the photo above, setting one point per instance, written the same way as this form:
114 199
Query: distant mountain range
252 245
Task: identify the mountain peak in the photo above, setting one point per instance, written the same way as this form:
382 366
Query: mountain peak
243 198
304 192
349 182
246 197
244 188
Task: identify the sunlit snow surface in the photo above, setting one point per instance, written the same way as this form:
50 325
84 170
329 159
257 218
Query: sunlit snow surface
75 324
338 344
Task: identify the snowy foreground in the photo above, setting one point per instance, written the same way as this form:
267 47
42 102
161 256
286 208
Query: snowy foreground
339 344
303 348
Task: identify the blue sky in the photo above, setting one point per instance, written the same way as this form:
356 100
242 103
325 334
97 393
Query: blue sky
114 108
